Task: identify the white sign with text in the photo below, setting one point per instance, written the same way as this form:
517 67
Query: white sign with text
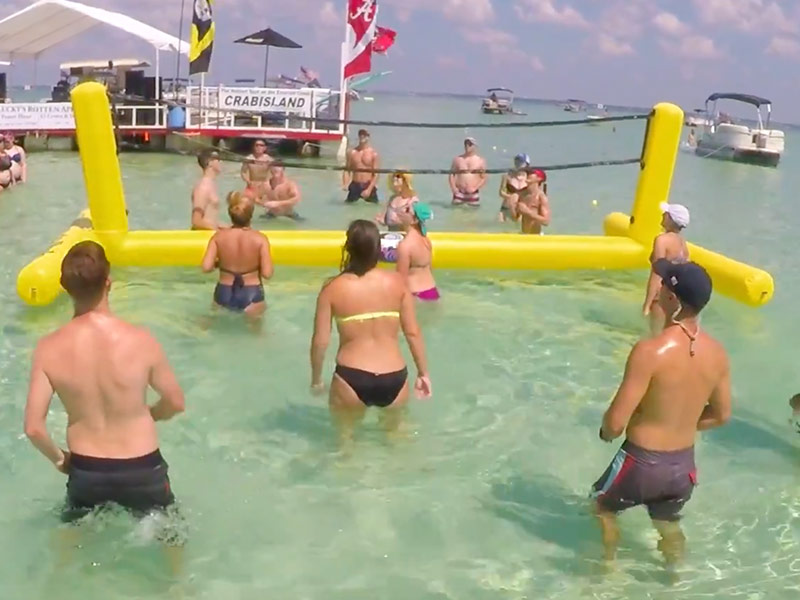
291 102
47 116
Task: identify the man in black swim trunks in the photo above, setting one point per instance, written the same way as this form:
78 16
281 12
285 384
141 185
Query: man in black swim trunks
101 367
359 180
674 385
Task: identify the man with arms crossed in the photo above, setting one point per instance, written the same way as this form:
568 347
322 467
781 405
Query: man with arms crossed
361 184
205 199
255 170
466 187
282 195
101 367
674 385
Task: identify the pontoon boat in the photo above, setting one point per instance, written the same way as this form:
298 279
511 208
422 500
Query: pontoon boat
724 139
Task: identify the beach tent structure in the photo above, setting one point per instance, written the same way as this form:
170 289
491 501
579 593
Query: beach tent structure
268 37
47 23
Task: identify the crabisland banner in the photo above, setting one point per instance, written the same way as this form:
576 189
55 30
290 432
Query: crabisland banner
202 37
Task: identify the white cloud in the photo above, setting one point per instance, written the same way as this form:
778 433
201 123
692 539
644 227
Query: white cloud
669 24
546 11
536 63
502 46
451 62
692 47
611 46
750 16
329 16
467 11
783 46
626 19
464 11
490 36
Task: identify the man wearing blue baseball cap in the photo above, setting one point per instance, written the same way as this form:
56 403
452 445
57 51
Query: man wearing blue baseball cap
511 185
674 385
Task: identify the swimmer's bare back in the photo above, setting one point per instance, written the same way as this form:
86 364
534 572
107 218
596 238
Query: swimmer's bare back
243 251
670 245
101 367
668 394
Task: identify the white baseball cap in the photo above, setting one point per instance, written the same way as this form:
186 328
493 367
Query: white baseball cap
677 212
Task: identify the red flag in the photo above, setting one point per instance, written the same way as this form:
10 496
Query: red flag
362 23
383 40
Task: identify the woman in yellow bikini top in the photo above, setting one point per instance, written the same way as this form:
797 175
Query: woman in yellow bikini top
370 306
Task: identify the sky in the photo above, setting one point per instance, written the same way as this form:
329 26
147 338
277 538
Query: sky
620 52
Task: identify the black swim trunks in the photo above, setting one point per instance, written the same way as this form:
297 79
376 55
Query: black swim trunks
140 485
662 481
355 190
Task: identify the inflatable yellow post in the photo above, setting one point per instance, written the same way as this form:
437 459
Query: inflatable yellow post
106 221
662 140
98 148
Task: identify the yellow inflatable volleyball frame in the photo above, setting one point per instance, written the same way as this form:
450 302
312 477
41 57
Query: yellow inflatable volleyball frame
626 245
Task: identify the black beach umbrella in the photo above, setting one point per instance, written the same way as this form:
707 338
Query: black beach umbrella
268 37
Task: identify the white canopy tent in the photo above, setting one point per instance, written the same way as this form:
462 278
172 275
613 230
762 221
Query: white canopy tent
46 23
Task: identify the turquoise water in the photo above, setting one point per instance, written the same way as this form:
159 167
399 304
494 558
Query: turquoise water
484 497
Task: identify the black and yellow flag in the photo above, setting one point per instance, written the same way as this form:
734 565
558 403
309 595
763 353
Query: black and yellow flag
202 37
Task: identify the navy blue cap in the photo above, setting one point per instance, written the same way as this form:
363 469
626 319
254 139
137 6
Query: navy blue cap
688 281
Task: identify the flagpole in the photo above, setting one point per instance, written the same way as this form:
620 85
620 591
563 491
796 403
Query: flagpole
178 59
341 154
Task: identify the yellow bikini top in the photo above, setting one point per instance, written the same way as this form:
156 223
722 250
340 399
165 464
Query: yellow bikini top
369 316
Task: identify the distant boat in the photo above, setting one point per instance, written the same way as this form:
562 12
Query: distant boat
598 112
500 101
697 118
573 105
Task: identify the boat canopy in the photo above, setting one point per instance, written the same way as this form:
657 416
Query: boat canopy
747 98
500 89
117 63
47 23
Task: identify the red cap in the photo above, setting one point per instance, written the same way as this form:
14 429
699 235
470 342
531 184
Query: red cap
540 174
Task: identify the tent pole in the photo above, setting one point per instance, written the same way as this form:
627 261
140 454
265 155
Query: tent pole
158 74
266 64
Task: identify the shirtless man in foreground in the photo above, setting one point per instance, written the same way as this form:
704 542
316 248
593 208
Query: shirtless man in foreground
466 187
205 199
361 184
282 194
101 367
533 205
255 171
674 385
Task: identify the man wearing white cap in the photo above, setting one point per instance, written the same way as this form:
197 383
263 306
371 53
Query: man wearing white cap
468 175
669 245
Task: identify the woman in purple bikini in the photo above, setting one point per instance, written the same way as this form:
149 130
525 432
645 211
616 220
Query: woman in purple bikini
415 254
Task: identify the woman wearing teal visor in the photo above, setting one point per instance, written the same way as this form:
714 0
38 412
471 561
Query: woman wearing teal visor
414 253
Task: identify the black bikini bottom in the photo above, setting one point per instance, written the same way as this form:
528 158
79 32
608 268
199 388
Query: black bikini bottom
374 389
